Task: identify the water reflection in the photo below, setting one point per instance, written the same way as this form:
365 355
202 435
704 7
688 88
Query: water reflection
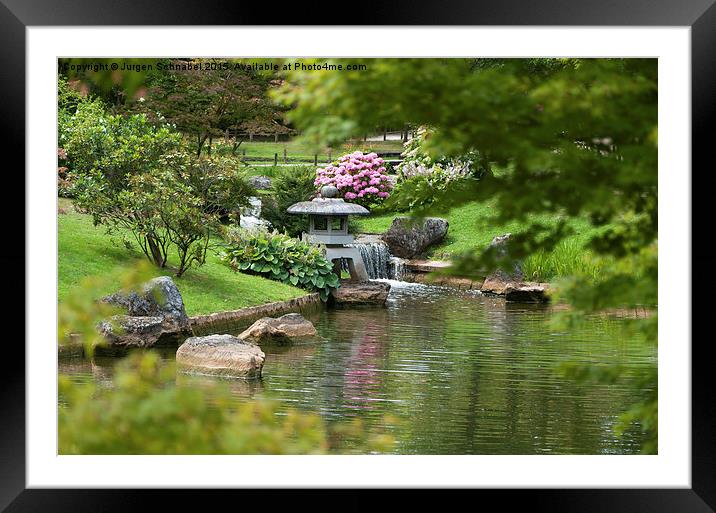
463 373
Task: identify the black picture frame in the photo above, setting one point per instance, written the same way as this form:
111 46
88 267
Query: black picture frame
700 15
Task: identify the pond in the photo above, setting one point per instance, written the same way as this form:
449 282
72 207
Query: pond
462 373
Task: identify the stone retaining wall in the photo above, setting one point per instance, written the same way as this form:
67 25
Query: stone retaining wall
444 281
232 320
416 271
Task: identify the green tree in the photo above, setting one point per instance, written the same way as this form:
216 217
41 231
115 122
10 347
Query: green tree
173 207
205 103
115 145
568 137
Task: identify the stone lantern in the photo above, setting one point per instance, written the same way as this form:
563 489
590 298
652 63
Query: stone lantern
328 224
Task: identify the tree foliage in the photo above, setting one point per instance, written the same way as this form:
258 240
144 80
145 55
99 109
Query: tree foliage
117 146
289 185
565 137
204 102
172 208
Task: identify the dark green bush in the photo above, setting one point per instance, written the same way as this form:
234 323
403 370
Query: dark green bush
289 185
173 207
114 145
279 257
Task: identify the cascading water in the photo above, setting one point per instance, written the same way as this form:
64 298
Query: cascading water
251 215
377 259
397 268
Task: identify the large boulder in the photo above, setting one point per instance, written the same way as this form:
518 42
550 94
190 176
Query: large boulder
155 313
260 182
500 244
220 355
130 331
407 238
159 297
371 292
288 328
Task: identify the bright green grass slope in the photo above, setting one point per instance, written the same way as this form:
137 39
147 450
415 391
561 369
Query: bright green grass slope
472 227
84 250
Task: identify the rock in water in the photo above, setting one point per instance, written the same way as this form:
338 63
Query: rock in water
220 355
511 284
372 292
407 239
160 297
501 284
528 293
131 331
157 312
288 328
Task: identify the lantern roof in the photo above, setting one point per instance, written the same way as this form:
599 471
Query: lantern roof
328 204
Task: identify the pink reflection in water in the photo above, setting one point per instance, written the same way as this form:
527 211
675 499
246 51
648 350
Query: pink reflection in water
361 379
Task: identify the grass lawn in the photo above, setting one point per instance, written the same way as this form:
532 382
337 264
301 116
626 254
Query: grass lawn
84 250
471 227
298 150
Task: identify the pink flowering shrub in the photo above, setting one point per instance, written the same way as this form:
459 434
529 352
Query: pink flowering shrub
359 178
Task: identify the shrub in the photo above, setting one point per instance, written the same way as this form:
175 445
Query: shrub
279 257
222 188
68 97
115 145
147 413
288 186
360 178
422 178
174 206
150 410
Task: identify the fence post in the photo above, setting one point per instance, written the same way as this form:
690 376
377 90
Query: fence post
315 160
251 137
275 159
329 155
285 157
275 138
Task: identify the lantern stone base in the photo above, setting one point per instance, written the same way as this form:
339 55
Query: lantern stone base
355 261
370 292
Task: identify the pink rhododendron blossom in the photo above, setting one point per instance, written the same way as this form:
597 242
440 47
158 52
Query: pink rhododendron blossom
358 177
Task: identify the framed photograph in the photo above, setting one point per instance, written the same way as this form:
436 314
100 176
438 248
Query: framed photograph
452 250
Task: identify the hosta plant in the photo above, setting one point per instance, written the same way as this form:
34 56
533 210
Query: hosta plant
279 257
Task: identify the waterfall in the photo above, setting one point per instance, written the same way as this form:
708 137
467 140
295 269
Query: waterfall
379 263
375 257
251 215
397 268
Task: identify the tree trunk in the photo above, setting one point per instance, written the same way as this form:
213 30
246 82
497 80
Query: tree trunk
201 141
156 252
237 143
